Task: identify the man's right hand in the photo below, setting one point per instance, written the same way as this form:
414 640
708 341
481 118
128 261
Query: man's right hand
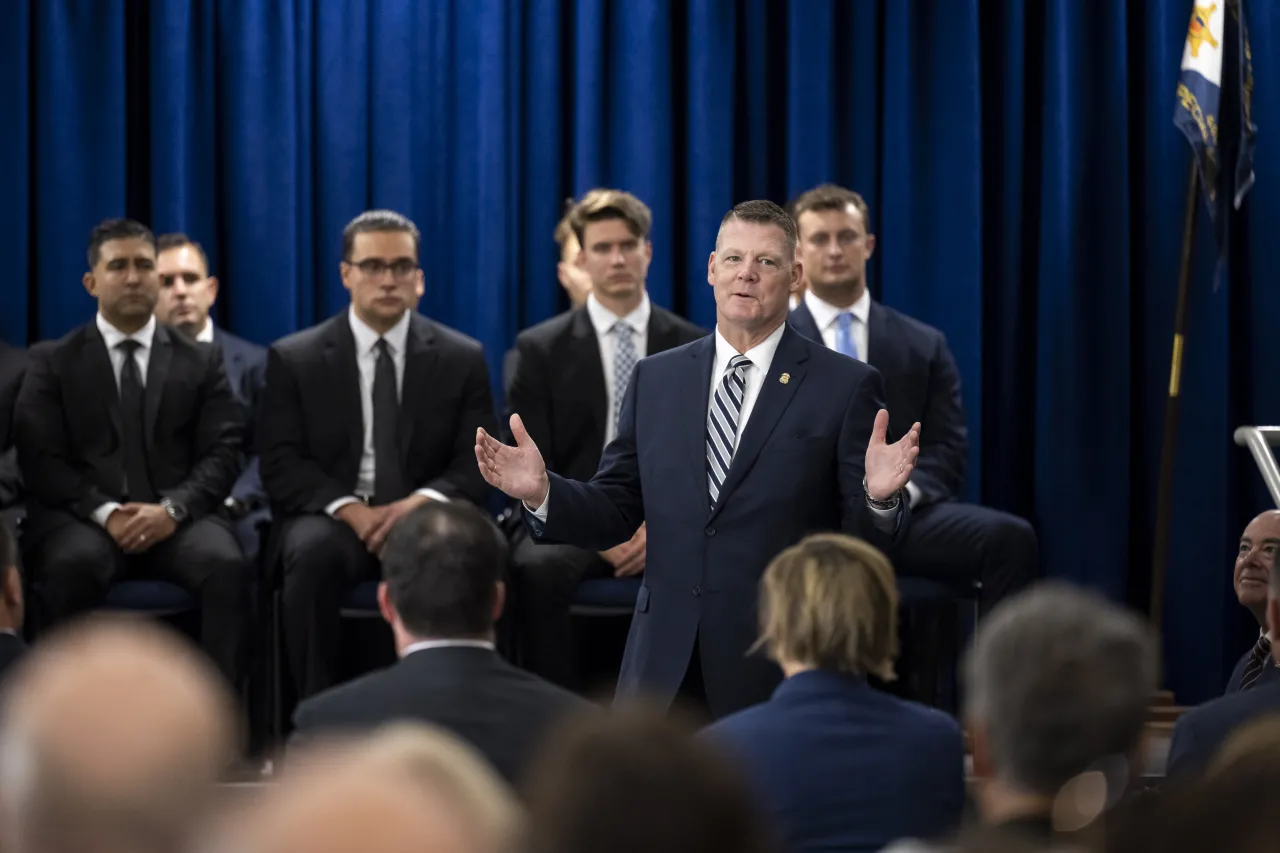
360 518
517 471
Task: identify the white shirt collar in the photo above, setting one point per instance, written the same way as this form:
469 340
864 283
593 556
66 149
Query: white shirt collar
367 338
424 645
825 314
113 337
761 354
206 334
603 319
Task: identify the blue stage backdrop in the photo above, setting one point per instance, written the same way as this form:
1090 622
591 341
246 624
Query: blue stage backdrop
1024 175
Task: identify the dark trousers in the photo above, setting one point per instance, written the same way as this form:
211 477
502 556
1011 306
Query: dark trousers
74 564
961 543
323 558
543 580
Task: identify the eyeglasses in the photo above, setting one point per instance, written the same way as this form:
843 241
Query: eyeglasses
376 267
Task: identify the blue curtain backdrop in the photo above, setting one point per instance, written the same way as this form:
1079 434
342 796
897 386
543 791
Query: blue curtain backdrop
1024 175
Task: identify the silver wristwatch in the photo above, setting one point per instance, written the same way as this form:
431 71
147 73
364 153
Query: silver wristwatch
891 503
176 511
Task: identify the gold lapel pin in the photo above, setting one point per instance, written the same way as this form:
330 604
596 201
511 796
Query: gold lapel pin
784 378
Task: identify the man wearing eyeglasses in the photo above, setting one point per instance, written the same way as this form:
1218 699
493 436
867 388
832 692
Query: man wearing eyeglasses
364 418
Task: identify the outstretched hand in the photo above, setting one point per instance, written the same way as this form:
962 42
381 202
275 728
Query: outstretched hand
889 466
517 471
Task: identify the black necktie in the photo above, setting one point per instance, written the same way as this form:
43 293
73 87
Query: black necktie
137 482
388 481
1258 660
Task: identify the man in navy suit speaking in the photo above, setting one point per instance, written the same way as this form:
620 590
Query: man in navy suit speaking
731 448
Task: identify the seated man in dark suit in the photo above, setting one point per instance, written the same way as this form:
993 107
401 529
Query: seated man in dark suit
13 365
187 292
365 418
442 593
129 440
568 381
1200 732
11 645
948 540
839 764
1255 560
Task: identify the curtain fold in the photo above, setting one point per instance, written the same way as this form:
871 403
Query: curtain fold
1025 180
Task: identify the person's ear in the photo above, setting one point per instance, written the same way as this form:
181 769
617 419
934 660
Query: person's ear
385 607
12 589
212 284
499 600
90 284
871 245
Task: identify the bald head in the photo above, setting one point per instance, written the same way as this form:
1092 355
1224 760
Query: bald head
1255 558
113 733
344 811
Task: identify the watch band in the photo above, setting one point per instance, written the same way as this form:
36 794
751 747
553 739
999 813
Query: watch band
891 503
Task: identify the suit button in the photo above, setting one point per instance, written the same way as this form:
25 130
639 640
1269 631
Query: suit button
710 531
697 590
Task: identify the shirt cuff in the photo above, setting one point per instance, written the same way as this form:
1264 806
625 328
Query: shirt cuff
913 491
541 512
433 494
333 508
885 519
102 513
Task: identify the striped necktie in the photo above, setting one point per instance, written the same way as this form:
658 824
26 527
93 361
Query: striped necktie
1257 662
722 423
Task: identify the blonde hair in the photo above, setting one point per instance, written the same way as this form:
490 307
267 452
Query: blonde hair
831 601
601 204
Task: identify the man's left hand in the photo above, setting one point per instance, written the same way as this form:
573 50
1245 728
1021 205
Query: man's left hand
377 538
148 526
889 466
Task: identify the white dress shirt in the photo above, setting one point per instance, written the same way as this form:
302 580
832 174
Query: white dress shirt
397 338
827 317
603 320
113 337
761 356
205 335
426 645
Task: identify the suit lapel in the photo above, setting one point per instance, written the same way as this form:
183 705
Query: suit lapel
157 375
695 400
801 319
881 354
340 363
419 360
773 399
584 372
102 376
662 333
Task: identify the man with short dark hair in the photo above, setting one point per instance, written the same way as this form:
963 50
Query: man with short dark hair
441 593
729 449
365 418
11 602
129 440
569 381
949 541
187 294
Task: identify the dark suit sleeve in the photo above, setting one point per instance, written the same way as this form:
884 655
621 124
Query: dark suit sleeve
219 431
13 365
855 435
295 481
944 443
44 444
248 487
529 396
608 510
462 478
1183 749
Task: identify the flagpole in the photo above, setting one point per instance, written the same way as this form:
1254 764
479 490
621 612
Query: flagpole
1172 406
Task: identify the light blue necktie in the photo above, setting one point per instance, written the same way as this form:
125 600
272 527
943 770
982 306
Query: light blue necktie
844 335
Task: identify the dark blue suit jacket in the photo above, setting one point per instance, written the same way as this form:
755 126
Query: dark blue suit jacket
922 383
1268 675
246 367
843 766
798 469
1201 731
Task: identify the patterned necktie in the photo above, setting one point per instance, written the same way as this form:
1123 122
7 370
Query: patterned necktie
624 362
722 423
137 481
388 485
1257 662
844 335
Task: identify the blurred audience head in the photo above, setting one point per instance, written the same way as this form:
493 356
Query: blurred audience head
612 229
187 291
635 782
835 242
114 734
380 267
575 280
1059 680
442 574
830 602
11 599
122 273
